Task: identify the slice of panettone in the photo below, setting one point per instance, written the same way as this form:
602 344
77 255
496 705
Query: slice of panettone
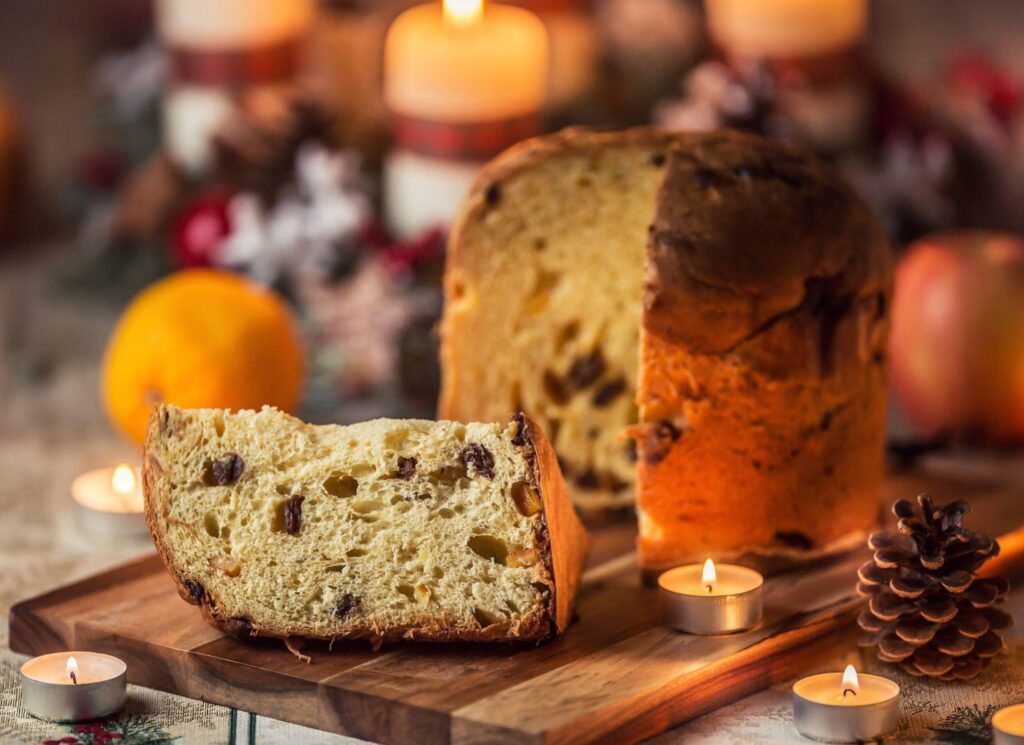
384 530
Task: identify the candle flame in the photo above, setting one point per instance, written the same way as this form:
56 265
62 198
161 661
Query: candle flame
851 683
709 577
463 12
72 669
123 480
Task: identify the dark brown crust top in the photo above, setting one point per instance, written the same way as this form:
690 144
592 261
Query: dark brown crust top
747 231
562 563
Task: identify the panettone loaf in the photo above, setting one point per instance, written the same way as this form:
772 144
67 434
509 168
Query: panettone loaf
390 529
542 299
732 288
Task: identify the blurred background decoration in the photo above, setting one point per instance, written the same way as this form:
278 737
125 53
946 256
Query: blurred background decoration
957 345
320 148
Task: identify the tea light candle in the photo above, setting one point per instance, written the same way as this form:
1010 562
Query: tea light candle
845 707
462 81
73 686
1008 726
109 502
711 600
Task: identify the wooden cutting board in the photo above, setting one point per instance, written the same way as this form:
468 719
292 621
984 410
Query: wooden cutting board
617 675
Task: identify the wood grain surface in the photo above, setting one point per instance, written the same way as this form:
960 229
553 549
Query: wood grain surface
616 676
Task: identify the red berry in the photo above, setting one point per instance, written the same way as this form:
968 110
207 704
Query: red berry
403 256
975 74
198 230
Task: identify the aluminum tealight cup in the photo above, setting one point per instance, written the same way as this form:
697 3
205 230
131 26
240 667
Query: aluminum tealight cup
819 719
686 607
47 695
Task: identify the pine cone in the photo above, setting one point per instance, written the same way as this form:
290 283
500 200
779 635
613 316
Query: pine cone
927 611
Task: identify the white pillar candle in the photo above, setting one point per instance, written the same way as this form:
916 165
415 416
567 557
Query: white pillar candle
462 81
231 24
786 28
845 707
1008 725
711 599
73 686
424 191
219 51
820 88
465 62
109 502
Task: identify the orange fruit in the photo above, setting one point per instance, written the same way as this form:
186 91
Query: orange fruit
201 338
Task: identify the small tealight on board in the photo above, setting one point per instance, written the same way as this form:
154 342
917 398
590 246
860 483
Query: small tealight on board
708 599
845 707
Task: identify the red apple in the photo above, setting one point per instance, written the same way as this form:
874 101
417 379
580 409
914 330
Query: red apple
957 343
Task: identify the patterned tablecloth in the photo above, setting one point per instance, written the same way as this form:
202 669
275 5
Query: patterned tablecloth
52 428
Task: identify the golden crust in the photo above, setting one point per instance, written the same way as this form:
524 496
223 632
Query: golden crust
567 538
528 153
563 557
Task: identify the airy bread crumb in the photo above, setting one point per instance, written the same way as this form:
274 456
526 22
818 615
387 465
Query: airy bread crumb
382 530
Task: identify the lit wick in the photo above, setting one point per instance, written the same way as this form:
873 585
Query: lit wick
709 576
851 684
72 669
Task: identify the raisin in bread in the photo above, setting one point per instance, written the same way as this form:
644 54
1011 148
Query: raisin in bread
734 289
389 529
543 299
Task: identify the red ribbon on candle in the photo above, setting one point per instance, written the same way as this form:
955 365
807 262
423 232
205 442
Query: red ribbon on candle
229 67
462 141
